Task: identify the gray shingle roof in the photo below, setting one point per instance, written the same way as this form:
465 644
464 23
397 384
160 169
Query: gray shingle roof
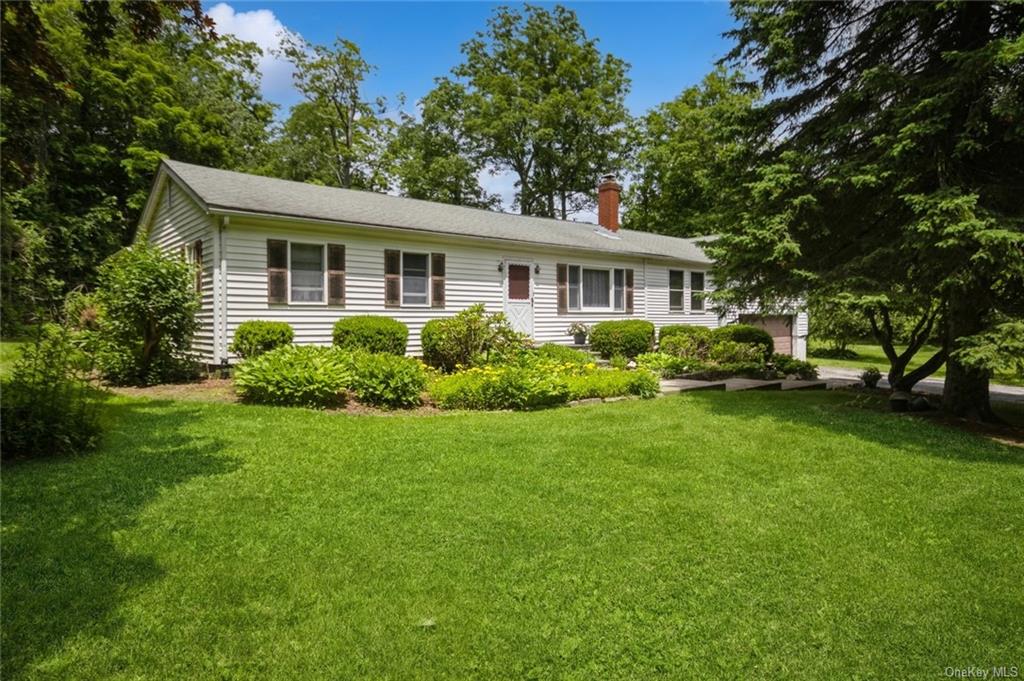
231 191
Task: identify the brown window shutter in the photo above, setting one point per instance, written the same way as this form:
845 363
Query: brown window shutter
392 274
198 253
277 271
562 275
335 274
629 291
437 275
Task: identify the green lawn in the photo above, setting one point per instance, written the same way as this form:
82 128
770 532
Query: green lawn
9 353
745 535
872 355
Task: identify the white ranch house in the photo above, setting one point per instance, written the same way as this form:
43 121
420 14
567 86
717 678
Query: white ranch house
309 255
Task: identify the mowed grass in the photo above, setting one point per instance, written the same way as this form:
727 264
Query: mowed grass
740 535
869 355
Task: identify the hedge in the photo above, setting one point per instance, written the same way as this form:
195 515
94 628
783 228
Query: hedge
256 336
627 337
745 333
372 334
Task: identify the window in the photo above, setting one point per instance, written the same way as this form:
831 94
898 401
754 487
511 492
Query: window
415 277
696 291
306 273
676 290
592 288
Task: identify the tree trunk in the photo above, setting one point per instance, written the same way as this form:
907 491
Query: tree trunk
966 391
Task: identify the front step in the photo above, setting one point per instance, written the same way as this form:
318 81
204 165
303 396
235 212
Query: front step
804 385
671 386
737 384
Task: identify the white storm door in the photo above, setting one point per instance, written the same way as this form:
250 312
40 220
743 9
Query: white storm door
519 296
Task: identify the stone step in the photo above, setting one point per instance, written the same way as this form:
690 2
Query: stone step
679 385
804 385
736 384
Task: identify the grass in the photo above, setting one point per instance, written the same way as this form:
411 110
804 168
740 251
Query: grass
872 355
745 535
9 353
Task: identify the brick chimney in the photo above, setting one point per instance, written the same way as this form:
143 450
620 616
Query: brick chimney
608 203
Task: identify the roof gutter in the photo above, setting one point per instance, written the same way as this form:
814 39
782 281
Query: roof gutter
223 210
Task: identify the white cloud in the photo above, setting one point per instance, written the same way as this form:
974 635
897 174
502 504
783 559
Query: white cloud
262 27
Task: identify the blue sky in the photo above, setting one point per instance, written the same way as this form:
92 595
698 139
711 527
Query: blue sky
669 46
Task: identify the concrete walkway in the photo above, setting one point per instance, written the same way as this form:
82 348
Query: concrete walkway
841 376
670 386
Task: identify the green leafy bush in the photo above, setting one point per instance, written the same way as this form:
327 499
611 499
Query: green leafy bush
666 365
500 387
745 333
618 361
386 380
693 344
790 366
149 309
470 337
683 330
871 377
629 337
295 376
563 354
47 405
372 334
256 336
734 352
613 383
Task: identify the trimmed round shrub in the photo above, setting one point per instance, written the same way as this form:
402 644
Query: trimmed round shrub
256 336
371 333
295 376
628 337
745 333
385 380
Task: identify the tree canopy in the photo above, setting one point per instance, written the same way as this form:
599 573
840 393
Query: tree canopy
893 167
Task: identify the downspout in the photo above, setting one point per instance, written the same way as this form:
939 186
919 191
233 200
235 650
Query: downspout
221 300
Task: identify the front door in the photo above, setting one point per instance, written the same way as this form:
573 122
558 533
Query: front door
519 297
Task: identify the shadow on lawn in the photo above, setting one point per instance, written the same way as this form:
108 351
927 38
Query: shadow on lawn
899 431
62 571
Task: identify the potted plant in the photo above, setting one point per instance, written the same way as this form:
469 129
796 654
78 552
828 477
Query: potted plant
579 332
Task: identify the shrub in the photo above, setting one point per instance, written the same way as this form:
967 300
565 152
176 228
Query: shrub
294 376
467 338
149 305
693 344
629 337
826 352
502 387
745 333
562 354
683 330
47 406
666 365
735 352
386 380
871 377
372 334
790 366
256 336
618 361
613 383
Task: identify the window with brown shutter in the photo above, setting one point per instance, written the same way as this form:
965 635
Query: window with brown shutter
437 275
629 291
335 274
562 277
197 258
277 271
392 278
